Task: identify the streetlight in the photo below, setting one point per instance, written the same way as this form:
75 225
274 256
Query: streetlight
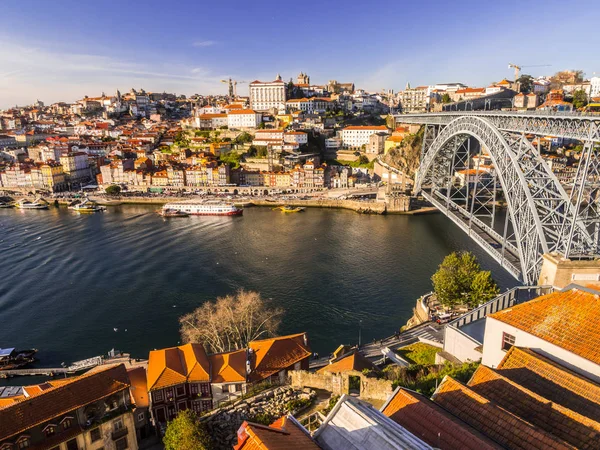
359 331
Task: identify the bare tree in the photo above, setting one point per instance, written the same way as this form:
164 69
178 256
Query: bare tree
231 322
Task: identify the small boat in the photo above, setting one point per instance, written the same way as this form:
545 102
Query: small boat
13 359
171 213
290 209
26 204
6 205
87 206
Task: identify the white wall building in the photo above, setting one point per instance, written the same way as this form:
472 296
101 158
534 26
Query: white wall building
296 137
357 136
594 87
243 118
267 95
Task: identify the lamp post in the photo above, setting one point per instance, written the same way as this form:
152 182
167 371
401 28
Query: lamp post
359 331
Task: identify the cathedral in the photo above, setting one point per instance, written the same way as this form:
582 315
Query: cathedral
303 79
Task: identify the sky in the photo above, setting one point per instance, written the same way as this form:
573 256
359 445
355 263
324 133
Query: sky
63 50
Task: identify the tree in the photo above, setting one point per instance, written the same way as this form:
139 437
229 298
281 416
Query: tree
525 83
579 99
446 98
113 189
261 126
362 159
231 322
186 433
460 280
243 138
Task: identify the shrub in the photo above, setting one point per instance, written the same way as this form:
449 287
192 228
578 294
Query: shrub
297 404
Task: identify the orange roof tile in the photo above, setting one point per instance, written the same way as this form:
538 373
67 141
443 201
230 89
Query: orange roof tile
228 367
275 354
56 401
564 319
580 431
175 365
283 434
431 423
552 381
366 127
139 386
505 428
351 361
241 111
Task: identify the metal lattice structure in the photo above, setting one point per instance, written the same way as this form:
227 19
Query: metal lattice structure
542 215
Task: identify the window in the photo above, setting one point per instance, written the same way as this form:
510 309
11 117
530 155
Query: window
118 425
23 442
72 444
141 416
121 443
49 430
194 388
180 391
158 396
204 389
66 423
95 434
508 341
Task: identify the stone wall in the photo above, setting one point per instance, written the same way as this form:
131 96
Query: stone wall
339 383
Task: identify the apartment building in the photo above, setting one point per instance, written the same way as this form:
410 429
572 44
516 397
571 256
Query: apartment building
267 95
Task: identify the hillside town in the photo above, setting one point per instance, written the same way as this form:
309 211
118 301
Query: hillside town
292 136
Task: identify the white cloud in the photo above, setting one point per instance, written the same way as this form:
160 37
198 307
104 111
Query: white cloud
203 43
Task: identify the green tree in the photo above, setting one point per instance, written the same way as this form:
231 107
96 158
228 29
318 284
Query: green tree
446 98
243 138
185 433
460 280
362 159
525 83
113 189
261 126
579 99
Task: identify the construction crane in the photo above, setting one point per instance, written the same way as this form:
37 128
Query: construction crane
232 86
518 68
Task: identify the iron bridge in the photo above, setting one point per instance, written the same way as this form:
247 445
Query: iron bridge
515 208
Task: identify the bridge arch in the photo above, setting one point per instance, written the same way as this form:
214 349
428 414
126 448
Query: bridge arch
538 206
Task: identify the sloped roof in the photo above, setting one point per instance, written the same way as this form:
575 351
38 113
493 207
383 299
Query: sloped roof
433 424
580 431
228 367
56 401
275 354
552 381
566 319
175 365
351 361
490 419
139 386
283 434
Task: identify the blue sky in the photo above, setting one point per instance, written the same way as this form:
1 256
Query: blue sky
66 49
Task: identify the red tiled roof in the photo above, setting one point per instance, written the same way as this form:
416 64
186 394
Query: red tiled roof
228 367
366 127
283 434
434 425
139 386
490 419
276 354
552 381
56 401
565 319
352 361
580 431
175 365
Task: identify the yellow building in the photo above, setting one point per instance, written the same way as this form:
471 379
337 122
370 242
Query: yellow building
392 142
53 176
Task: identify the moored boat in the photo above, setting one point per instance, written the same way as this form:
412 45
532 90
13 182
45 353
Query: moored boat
87 206
205 208
290 209
172 213
26 204
6 205
11 358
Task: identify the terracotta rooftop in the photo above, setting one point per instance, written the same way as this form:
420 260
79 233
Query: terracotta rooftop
273 355
56 401
572 427
490 419
175 365
566 319
283 434
366 127
552 381
228 367
139 386
433 424
352 361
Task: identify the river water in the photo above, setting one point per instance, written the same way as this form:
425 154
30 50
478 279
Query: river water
68 280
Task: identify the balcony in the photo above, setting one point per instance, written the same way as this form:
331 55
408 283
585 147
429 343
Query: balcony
119 433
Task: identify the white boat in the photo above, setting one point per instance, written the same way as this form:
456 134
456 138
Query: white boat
205 208
6 205
26 204
87 206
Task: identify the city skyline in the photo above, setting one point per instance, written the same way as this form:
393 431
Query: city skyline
86 53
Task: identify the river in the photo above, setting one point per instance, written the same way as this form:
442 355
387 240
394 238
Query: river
69 280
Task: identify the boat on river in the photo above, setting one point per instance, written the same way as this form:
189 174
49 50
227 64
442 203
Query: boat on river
205 208
172 213
36 204
10 358
6 205
87 206
289 209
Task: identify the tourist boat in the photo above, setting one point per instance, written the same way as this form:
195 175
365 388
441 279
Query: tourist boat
26 204
172 213
205 208
13 359
290 209
6 205
87 206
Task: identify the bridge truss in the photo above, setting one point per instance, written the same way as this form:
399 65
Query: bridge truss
541 215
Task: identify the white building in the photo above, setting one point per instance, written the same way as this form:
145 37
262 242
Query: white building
594 87
357 136
243 118
268 95
561 326
297 137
